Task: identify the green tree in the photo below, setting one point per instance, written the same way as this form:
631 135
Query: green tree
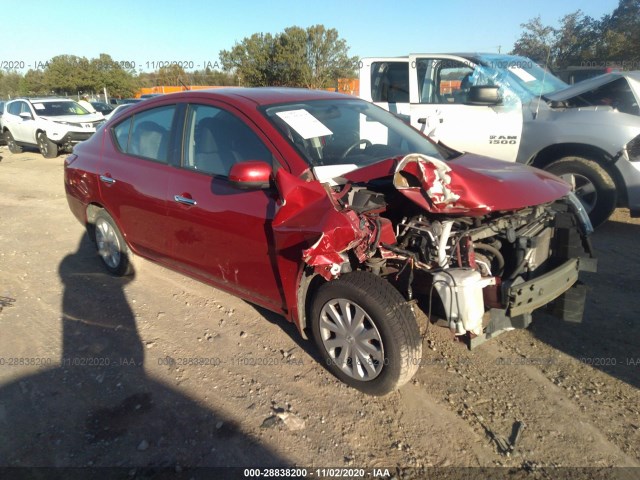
327 57
536 41
106 72
251 60
10 84
173 74
33 83
68 75
314 58
620 33
580 38
575 40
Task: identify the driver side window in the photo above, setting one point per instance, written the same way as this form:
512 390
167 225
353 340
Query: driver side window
216 140
443 81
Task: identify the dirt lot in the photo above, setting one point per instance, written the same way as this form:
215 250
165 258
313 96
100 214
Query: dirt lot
162 371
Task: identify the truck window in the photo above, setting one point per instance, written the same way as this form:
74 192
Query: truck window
390 82
442 80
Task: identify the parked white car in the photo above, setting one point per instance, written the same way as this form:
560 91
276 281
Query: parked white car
50 124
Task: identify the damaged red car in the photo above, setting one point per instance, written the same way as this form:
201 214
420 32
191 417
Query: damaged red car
335 214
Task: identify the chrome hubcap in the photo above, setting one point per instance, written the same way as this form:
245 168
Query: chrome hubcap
108 244
584 188
351 339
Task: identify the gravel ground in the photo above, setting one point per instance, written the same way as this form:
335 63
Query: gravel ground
159 372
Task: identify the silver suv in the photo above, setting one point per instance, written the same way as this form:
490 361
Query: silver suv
50 124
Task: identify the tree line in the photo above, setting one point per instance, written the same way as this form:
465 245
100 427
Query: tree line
314 57
70 75
580 40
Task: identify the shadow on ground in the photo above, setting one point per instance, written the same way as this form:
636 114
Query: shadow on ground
99 408
608 337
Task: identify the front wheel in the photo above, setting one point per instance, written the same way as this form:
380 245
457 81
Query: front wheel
592 183
48 149
112 248
366 333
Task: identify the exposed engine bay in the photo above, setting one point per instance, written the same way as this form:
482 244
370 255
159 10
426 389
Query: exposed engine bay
475 264
478 273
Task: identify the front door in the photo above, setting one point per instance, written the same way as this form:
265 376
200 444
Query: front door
220 232
439 90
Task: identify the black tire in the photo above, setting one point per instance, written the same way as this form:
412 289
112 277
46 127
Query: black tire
112 249
594 186
48 149
388 329
11 143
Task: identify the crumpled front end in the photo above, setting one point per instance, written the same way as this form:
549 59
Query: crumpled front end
464 240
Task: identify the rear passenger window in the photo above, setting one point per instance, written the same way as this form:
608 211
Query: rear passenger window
390 82
216 139
146 134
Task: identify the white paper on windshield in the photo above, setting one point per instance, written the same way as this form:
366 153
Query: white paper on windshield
38 106
304 123
522 74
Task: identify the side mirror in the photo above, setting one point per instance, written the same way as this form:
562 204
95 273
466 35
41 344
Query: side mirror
484 95
251 175
26 116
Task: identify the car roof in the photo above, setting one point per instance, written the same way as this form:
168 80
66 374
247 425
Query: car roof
260 95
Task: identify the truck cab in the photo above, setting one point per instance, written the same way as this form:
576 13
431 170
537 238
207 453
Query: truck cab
508 107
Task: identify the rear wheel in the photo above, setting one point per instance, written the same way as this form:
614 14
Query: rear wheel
593 185
48 149
111 246
11 143
366 332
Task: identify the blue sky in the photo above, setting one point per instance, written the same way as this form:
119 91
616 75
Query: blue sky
147 32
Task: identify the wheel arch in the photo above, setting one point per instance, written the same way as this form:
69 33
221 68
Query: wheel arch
90 216
307 287
551 153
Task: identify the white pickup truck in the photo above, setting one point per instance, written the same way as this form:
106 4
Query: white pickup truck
508 107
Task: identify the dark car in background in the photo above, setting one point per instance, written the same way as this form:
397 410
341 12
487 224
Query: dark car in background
280 197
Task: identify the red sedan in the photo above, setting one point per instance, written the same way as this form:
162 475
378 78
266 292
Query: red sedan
333 213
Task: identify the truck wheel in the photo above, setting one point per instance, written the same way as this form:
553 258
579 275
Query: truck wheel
11 143
592 184
366 333
48 149
111 246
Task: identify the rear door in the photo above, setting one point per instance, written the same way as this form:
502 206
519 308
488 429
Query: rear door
134 174
22 129
439 90
385 82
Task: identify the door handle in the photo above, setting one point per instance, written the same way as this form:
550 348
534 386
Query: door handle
107 180
185 200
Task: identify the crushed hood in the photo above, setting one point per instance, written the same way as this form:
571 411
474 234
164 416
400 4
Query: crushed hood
470 184
633 78
313 215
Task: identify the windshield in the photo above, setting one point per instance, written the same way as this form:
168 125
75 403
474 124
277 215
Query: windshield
55 109
347 133
522 75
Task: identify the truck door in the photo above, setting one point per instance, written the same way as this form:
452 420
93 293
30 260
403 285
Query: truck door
439 88
385 82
